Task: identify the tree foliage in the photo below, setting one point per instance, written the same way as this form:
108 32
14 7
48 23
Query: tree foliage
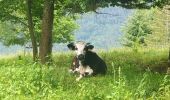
14 13
137 28
160 34
63 30
147 27
13 33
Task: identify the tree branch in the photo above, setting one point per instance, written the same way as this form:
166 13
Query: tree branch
105 13
13 18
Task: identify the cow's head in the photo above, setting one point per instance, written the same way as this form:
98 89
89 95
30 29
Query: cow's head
80 48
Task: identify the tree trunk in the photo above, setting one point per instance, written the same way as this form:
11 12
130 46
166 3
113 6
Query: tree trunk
46 35
167 12
31 29
168 30
169 54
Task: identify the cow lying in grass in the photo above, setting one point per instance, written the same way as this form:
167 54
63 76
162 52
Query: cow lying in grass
89 63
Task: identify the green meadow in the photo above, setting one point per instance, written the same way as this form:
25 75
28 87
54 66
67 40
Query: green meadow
131 76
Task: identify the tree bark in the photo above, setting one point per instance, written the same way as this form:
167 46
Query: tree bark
167 12
46 35
31 29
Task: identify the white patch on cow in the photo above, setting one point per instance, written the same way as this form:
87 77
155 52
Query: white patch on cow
88 70
82 70
80 47
77 69
74 63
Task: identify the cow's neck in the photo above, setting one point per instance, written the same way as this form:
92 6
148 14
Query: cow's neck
82 63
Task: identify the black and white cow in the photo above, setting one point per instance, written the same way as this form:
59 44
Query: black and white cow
89 62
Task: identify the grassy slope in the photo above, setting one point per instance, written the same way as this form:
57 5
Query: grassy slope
126 78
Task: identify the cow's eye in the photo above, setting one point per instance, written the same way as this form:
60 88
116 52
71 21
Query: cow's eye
76 48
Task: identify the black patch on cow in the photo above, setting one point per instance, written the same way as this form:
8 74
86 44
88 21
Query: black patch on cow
88 47
71 46
94 62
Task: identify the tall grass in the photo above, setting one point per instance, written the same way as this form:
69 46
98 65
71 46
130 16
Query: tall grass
130 76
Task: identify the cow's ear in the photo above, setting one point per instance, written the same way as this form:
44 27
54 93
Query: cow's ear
71 46
89 46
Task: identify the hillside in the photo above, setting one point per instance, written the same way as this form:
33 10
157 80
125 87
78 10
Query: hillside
103 29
